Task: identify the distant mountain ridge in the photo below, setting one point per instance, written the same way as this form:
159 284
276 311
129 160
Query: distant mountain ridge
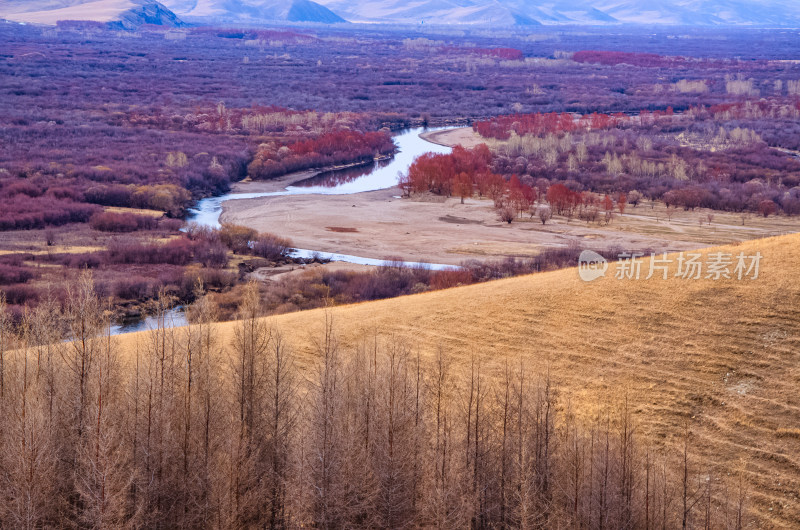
590 12
129 13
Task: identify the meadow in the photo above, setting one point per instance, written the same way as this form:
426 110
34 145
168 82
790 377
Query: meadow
715 356
540 399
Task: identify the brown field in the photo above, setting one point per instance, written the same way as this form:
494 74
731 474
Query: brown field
442 230
723 355
55 249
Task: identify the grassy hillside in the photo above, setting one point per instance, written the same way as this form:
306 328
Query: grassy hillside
723 354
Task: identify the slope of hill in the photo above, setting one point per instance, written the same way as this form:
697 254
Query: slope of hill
122 13
307 11
252 11
721 354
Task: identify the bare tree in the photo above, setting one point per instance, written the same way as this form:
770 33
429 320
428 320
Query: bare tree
5 335
84 323
507 214
104 472
29 461
157 457
445 506
282 414
395 434
325 456
250 376
544 213
690 496
202 424
172 436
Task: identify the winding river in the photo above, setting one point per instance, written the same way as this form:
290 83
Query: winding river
377 176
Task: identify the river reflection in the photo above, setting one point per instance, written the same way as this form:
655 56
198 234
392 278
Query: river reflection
339 177
380 176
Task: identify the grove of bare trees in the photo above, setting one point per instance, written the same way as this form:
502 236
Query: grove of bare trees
185 431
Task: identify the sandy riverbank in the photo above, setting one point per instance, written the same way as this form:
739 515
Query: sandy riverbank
286 271
380 225
463 136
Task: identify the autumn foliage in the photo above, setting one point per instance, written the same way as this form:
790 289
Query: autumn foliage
23 212
501 127
122 222
442 174
562 199
463 172
337 147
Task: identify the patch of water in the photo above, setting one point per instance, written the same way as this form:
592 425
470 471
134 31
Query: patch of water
173 318
382 175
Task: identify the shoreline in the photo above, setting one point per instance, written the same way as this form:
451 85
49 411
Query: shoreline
280 183
463 136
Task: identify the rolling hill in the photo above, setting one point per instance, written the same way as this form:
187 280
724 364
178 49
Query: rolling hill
723 355
120 13
252 11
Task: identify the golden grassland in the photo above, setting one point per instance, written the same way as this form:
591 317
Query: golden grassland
723 355
136 211
42 249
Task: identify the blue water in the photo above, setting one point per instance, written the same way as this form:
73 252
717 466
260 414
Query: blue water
332 256
382 176
173 318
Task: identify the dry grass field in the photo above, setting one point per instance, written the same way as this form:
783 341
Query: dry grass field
436 229
136 211
723 355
